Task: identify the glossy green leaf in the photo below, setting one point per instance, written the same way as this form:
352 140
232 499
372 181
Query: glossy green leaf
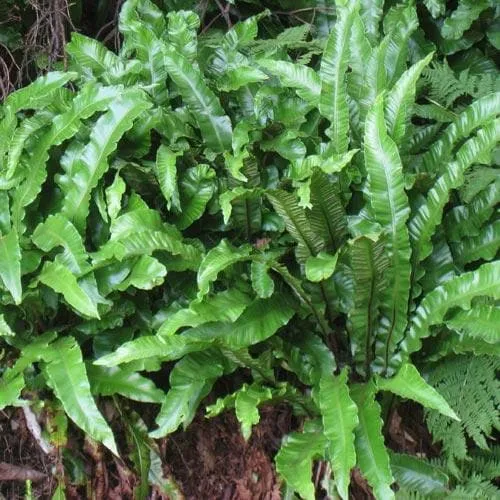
224 306
214 124
372 456
481 322
146 274
57 231
321 266
334 63
92 57
285 204
93 162
155 347
368 262
10 265
303 79
339 415
114 195
390 207
295 458
400 100
60 278
91 99
457 292
219 258
258 322
166 173
10 390
262 283
327 216
5 329
197 187
484 246
462 17
38 93
247 400
128 383
408 383
478 114
191 380
66 375
424 222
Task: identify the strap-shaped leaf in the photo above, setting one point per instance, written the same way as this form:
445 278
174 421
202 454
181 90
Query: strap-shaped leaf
92 98
197 187
408 383
285 204
462 17
321 266
181 32
483 246
262 283
30 353
62 280
248 398
26 129
303 79
424 222
124 381
155 347
93 163
295 458
191 380
140 231
360 51
368 262
365 86
214 124
10 390
414 474
480 322
479 113
258 322
146 274
372 455
340 417
5 329
399 24
327 216
400 100
10 265
219 258
436 7
57 231
38 93
224 307
66 375
371 13
457 292
166 173
114 194
93 58
334 62
390 207
466 220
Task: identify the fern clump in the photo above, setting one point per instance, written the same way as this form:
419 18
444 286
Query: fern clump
445 86
472 386
202 206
